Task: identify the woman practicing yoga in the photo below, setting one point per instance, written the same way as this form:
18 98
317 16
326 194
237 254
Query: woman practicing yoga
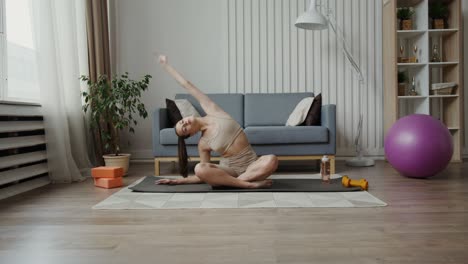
239 166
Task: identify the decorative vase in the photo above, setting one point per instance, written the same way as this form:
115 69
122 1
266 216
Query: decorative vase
401 89
438 24
122 160
406 24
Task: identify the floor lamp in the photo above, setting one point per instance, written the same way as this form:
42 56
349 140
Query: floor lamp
313 19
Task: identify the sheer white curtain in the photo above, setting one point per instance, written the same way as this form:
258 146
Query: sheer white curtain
60 34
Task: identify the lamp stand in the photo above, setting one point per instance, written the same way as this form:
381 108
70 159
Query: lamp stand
359 160
313 19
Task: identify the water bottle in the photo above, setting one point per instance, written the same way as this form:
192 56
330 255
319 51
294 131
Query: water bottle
325 169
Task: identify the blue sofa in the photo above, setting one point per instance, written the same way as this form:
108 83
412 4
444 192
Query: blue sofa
263 117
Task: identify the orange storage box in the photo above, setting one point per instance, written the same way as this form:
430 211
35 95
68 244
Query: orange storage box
107 172
108 183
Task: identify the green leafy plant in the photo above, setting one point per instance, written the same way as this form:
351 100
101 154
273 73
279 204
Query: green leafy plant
405 13
402 77
438 10
118 103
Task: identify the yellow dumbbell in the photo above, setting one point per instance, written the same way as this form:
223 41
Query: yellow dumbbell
347 182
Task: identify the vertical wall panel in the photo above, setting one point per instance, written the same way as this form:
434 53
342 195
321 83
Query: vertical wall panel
348 79
247 25
340 75
271 30
278 45
293 60
286 48
267 53
255 48
240 44
324 60
370 77
465 74
316 53
301 51
263 47
232 45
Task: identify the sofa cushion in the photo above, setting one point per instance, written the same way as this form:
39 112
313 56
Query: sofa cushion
270 109
173 112
286 135
167 136
315 112
299 113
233 104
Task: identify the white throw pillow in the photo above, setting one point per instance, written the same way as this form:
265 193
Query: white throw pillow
186 108
299 113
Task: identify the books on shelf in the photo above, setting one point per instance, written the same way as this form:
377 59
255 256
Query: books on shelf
443 88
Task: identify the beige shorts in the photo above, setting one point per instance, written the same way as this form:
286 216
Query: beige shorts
237 164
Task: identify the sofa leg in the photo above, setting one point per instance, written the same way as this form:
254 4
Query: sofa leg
332 165
156 167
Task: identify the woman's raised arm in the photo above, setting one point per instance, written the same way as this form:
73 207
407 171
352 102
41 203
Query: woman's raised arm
206 103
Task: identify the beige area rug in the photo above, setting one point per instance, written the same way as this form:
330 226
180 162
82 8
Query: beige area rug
126 199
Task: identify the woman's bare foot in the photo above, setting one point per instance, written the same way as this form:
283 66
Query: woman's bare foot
261 184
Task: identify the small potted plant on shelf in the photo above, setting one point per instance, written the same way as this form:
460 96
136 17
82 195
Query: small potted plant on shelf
402 79
405 14
439 14
118 103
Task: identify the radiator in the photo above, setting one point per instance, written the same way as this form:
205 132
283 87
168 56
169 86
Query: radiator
23 158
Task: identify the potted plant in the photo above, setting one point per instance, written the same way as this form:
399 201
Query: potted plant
118 103
405 14
439 14
402 79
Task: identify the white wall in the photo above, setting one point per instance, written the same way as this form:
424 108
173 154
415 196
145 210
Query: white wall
252 46
189 32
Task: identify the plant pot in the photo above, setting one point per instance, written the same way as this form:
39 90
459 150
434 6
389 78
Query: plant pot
438 24
407 24
401 89
122 160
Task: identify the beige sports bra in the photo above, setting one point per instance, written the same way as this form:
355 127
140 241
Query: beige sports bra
227 132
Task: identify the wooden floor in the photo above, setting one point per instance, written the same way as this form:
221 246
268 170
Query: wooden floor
426 222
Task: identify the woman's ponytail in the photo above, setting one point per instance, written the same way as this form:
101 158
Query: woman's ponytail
183 159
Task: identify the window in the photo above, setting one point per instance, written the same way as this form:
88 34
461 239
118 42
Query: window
18 52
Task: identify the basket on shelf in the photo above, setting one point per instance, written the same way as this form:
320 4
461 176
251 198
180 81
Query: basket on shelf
443 88
401 89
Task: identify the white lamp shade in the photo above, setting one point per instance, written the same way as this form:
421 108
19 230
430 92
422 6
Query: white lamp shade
312 19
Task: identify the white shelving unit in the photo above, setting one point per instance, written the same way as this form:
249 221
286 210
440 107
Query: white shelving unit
420 42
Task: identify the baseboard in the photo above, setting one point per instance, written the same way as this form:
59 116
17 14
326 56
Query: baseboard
141 161
140 154
371 157
351 152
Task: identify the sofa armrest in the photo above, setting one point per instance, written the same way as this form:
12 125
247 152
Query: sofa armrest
160 121
328 119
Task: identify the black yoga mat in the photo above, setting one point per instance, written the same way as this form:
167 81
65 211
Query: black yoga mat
279 185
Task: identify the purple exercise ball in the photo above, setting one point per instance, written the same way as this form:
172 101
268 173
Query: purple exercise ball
418 146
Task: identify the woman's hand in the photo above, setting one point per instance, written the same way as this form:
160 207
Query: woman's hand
163 59
168 181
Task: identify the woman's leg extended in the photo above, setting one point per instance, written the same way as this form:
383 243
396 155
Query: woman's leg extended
260 169
214 176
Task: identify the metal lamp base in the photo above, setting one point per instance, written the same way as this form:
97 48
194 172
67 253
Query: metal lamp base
360 162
